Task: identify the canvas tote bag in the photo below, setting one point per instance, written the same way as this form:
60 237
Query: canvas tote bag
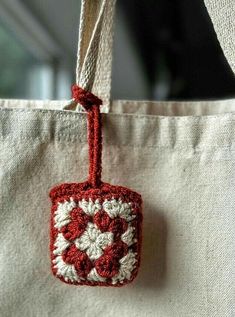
179 155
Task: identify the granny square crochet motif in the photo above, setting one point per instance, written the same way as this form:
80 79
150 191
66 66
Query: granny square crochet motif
95 234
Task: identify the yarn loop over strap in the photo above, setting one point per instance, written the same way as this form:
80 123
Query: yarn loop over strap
85 98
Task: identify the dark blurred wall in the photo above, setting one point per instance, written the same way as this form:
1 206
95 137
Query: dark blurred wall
178 47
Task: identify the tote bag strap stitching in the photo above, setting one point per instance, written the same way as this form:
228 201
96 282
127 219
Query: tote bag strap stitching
94 57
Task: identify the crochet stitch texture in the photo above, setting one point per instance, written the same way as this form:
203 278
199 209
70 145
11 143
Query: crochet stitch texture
95 236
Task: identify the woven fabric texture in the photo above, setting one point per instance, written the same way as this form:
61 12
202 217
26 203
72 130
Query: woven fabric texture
184 168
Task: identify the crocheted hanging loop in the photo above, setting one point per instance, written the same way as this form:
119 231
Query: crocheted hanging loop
91 104
95 226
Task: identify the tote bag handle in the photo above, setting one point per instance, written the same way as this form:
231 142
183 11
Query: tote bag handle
94 57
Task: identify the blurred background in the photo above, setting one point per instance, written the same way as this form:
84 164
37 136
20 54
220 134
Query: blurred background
163 49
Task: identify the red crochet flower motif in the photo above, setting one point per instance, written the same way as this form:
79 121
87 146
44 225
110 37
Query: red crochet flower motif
77 226
79 259
102 220
117 226
107 266
117 250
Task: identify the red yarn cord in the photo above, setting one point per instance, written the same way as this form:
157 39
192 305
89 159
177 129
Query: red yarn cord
94 132
90 138
96 164
95 145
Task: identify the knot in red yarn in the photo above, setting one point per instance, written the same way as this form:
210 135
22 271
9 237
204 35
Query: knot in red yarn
85 98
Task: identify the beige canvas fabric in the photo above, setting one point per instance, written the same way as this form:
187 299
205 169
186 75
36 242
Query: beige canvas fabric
179 156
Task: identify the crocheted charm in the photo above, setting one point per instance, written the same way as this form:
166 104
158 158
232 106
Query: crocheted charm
95 235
